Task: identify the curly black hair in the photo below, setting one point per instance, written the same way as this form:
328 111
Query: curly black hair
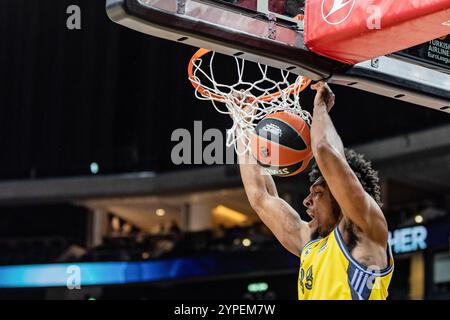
367 176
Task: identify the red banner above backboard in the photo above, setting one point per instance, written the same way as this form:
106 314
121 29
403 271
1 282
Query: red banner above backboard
352 31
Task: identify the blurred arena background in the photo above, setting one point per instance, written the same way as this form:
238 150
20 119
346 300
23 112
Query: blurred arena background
87 180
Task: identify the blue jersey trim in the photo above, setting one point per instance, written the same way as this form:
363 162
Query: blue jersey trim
358 282
310 242
359 266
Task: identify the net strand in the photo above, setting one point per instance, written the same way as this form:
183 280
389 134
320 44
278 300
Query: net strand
243 101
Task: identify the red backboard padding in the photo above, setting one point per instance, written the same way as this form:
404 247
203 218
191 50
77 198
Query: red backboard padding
343 29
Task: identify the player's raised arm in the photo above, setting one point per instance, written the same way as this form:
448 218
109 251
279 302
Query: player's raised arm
356 204
275 213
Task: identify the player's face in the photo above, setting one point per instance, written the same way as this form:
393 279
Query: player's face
322 208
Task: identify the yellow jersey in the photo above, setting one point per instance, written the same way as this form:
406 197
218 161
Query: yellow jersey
329 272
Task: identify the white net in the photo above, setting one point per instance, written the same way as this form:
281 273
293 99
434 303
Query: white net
247 102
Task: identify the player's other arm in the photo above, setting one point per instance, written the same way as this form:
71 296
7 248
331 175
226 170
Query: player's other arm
275 213
328 150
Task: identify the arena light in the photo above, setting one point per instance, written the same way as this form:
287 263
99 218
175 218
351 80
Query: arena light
126 228
418 219
94 168
115 224
246 242
229 214
160 212
258 287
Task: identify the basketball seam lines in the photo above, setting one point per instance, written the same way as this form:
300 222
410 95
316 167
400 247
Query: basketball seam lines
307 147
295 130
289 164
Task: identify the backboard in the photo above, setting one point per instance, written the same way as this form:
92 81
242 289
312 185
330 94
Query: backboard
266 31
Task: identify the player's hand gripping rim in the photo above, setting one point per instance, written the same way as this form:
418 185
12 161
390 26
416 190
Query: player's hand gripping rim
324 95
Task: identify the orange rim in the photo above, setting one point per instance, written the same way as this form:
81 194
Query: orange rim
206 93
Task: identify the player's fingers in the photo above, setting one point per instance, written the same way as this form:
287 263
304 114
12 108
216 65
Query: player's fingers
332 99
327 87
320 85
237 94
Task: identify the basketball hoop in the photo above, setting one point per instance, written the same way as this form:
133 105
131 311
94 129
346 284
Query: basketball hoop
247 102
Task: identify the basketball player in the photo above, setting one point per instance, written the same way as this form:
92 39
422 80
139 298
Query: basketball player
343 250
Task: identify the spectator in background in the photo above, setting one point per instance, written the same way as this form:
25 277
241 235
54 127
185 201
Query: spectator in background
174 228
162 228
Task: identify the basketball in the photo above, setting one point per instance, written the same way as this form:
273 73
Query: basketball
282 144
